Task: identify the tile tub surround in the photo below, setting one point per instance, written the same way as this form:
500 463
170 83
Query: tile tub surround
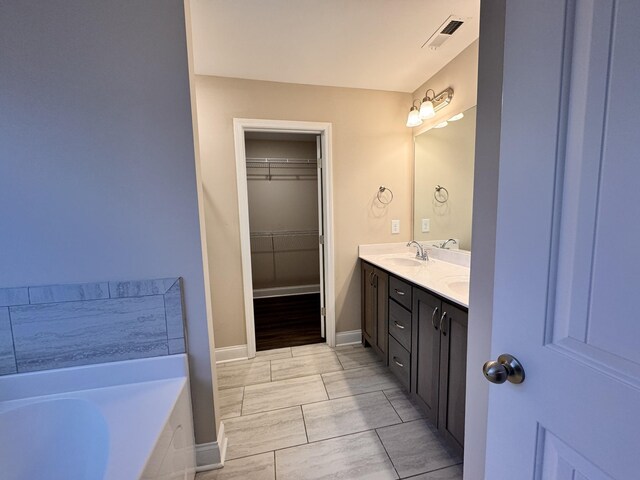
57 326
321 425
432 275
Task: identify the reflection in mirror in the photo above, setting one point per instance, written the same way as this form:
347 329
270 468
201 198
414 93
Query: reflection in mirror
444 157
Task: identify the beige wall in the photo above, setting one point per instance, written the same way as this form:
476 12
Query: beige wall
445 156
371 146
461 74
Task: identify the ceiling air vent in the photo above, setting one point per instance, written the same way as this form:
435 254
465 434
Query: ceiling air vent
444 32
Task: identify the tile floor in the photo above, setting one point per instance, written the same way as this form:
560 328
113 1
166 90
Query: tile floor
313 412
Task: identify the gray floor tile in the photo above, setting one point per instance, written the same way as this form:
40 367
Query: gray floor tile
449 473
359 380
347 415
257 467
357 357
353 457
403 404
312 349
283 393
239 375
274 354
230 401
414 448
263 432
304 366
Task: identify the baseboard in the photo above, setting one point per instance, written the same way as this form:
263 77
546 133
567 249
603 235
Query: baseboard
210 456
348 338
228 354
285 291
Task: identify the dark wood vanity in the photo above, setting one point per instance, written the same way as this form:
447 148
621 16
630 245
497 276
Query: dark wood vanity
422 337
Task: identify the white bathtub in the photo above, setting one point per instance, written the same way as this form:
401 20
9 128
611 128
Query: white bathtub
114 421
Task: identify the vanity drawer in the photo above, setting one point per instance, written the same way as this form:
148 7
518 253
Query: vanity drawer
400 292
400 362
400 324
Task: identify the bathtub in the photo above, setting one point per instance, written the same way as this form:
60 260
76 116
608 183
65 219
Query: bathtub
114 421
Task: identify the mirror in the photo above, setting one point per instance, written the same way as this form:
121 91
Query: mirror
444 157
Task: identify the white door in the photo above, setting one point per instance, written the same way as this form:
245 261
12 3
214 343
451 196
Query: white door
321 240
568 244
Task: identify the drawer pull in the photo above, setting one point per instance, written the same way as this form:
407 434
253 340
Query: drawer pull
399 292
444 314
433 318
401 327
401 365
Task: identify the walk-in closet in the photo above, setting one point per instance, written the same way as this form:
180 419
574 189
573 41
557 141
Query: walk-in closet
282 187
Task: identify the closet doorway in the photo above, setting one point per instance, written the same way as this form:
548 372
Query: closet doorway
284 192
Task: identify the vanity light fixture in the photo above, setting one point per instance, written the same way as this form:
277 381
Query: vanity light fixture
428 107
442 124
413 120
457 117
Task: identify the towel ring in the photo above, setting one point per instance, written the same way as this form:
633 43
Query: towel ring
439 195
381 190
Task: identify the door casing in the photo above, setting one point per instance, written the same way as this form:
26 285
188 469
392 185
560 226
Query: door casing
240 126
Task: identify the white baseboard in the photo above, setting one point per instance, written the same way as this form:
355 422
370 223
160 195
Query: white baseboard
228 354
210 456
284 291
348 338
240 352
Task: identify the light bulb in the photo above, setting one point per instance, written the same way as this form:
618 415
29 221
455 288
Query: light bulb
426 109
413 120
442 124
457 117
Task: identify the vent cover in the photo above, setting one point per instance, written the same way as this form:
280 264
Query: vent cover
444 32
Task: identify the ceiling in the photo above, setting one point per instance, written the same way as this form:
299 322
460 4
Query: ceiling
374 44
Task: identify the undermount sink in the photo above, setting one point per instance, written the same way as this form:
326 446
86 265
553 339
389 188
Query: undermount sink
404 262
458 285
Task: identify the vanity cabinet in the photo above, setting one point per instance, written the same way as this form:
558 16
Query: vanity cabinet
423 340
374 308
439 362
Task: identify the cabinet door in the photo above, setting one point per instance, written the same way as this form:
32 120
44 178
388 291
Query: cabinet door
425 351
381 283
453 372
369 304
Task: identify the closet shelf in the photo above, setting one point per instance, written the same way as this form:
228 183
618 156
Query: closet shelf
284 241
256 166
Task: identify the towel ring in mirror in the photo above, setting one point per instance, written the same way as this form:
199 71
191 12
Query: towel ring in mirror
381 190
441 194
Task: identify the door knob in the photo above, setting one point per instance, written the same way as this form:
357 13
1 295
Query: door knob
506 368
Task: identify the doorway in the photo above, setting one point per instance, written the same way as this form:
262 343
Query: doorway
284 192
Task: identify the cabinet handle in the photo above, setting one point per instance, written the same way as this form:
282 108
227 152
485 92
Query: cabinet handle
401 365
433 318
371 278
444 314
399 292
401 327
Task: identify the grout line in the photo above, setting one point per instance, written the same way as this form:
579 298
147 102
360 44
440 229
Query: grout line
385 451
275 468
394 408
431 471
304 424
319 401
13 339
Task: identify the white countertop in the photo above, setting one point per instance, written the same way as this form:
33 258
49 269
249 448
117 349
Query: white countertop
445 273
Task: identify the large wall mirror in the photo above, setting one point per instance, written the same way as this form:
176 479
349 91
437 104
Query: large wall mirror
443 188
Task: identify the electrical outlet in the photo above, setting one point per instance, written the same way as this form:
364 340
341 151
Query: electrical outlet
395 226
426 225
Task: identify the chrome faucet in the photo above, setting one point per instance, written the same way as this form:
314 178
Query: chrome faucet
444 244
421 253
